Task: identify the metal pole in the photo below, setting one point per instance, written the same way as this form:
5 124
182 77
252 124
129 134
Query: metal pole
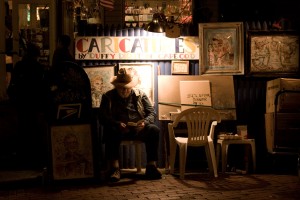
3 94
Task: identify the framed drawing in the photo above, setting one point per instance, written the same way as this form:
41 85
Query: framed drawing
71 150
273 53
221 48
100 81
180 67
145 71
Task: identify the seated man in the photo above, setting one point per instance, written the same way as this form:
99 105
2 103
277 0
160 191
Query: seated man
127 113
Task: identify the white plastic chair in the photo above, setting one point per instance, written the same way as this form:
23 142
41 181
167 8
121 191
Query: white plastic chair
200 123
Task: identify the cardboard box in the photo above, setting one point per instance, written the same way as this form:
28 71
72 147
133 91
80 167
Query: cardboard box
287 102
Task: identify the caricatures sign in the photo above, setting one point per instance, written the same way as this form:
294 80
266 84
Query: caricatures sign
136 48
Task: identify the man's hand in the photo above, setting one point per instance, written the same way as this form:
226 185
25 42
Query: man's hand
122 125
140 126
123 128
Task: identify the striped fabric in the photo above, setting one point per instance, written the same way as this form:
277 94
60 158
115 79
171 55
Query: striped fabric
107 4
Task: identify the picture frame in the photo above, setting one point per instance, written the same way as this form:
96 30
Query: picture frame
145 71
180 67
273 53
71 152
221 48
99 77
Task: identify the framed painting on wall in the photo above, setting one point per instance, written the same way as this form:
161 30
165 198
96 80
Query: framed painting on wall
180 67
100 81
145 72
273 53
71 152
221 48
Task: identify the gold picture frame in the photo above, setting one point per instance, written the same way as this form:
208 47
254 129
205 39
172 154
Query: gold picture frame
221 48
180 67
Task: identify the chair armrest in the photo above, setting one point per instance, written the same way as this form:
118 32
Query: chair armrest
171 130
212 129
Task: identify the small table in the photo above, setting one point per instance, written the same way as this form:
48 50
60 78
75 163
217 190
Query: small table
222 145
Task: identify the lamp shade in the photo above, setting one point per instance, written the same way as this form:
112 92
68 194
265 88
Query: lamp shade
157 25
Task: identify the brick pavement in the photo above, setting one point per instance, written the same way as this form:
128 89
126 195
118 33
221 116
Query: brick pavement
195 186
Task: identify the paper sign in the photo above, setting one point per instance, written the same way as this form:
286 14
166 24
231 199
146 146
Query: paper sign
195 93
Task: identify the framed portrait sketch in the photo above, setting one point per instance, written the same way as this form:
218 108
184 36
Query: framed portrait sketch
71 150
273 53
100 81
221 48
145 71
180 67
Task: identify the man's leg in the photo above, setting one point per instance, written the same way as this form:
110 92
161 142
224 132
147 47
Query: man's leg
112 146
150 136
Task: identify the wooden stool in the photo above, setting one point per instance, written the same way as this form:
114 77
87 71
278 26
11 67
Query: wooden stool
222 145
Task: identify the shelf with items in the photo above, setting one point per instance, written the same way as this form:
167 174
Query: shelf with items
180 11
132 20
35 24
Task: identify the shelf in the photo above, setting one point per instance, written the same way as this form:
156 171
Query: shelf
134 19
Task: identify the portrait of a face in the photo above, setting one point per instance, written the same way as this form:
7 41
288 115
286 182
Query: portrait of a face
72 155
100 82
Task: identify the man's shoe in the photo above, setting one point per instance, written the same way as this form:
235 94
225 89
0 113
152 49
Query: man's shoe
115 175
152 172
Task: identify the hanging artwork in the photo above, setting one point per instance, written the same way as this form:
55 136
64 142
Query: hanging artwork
100 81
72 152
273 53
221 48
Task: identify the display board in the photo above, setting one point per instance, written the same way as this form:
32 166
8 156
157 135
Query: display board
222 94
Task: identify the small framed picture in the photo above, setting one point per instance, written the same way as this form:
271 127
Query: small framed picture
221 48
180 67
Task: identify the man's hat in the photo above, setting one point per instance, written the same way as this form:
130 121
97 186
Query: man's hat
125 78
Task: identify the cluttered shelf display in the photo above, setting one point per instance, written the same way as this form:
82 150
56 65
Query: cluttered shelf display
138 13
